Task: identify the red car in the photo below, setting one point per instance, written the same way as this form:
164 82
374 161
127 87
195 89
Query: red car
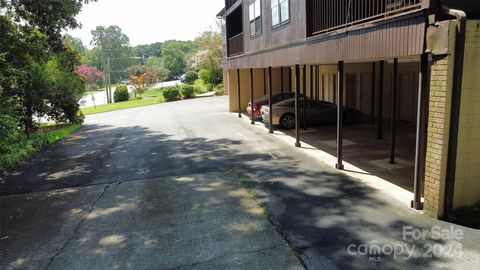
258 103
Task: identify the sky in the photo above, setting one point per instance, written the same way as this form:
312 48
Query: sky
149 21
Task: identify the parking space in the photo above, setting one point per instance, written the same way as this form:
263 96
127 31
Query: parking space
362 149
374 91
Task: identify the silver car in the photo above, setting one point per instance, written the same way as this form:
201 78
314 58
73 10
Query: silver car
318 112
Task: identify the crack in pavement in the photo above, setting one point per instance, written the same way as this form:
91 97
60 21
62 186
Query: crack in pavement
166 174
75 231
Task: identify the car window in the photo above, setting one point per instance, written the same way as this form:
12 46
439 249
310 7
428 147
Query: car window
262 99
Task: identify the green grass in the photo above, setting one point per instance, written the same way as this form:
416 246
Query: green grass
55 135
154 92
122 105
151 93
150 97
25 146
242 178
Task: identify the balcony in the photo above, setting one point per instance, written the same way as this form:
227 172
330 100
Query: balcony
229 4
235 45
234 31
326 15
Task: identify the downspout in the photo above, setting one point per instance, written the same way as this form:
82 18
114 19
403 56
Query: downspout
421 130
455 109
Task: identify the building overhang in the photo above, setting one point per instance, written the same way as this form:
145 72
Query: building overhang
399 37
221 13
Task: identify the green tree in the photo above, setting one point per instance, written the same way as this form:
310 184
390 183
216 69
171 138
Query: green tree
209 56
174 61
75 43
150 50
113 44
156 64
162 74
31 36
92 58
154 61
136 70
174 56
64 91
50 18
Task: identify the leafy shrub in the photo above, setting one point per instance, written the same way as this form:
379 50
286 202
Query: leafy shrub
9 130
24 146
219 90
188 91
200 86
121 93
171 93
205 75
209 87
190 77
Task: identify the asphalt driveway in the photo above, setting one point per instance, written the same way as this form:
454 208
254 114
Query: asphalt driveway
161 187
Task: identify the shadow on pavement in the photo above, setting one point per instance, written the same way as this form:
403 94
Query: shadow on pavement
319 211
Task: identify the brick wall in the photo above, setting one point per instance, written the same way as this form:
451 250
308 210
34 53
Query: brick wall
467 174
437 135
467 183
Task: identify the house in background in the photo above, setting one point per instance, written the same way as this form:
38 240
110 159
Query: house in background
410 66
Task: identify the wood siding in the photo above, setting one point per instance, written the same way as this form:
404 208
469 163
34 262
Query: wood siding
399 37
270 37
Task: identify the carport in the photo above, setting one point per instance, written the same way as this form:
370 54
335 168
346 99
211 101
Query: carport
389 142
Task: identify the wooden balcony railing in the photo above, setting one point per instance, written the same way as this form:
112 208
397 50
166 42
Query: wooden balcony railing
235 45
329 15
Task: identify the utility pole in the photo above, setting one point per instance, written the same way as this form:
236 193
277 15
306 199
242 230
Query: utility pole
109 81
105 68
105 82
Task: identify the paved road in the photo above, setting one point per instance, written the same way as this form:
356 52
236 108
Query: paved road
159 187
165 84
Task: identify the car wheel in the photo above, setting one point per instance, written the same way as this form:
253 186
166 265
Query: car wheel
348 117
287 121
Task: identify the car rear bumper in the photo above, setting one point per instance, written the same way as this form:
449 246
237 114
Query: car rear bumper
256 113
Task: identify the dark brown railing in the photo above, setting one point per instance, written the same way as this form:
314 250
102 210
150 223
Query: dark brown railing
329 15
235 45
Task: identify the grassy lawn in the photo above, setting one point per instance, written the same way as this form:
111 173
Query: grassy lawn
154 92
54 135
122 105
27 146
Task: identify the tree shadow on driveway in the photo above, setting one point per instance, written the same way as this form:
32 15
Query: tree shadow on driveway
319 211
